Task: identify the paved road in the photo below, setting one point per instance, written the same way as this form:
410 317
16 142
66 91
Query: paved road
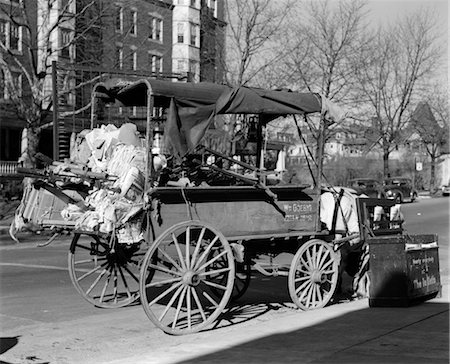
44 320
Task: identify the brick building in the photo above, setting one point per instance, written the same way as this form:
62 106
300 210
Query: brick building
88 41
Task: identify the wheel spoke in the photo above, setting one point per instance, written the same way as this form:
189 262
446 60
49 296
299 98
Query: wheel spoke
310 259
209 262
198 303
96 281
319 256
188 306
211 272
165 293
206 252
319 293
172 300
210 299
124 282
305 264
302 286
188 245
197 247
169 258
314 289
115 284
177 247
161 283
180 303
131 273
327 264
106 284
301 279
90 272
89 261
215 285
165 270
323 259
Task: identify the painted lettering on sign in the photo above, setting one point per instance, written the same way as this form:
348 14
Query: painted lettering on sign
299 211
426 281
420 261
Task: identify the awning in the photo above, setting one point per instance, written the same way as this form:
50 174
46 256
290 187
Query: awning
192 106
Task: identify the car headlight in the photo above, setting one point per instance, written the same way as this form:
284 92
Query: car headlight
389 193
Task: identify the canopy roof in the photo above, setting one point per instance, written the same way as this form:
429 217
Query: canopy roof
192 106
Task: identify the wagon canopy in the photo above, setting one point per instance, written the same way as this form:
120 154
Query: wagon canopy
192 106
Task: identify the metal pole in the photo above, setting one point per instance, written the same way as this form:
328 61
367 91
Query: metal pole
149 141
55 112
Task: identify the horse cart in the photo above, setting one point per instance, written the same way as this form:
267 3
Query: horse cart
188 244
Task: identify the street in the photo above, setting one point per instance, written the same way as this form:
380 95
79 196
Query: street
44 319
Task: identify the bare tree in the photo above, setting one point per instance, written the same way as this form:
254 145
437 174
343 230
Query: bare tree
390 69
320 50
253 28
25 60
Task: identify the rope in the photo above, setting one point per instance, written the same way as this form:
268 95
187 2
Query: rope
188 204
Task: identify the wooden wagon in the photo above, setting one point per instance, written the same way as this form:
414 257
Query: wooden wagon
187 248
203 241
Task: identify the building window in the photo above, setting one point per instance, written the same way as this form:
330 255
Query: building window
14 37
118 62
16 86
193 30
193 3
155 63
66 6
119 19
134 59
2 85
213 7
3 33
181 65
155 27
65 42
133 30
180 33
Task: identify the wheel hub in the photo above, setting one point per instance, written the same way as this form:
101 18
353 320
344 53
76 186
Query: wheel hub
191 278
318 277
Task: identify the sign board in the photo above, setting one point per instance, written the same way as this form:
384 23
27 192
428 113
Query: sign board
419 166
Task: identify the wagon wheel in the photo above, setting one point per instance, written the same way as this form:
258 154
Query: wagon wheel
242 277
179 297
313 275
105 273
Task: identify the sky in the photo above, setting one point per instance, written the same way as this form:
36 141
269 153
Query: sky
390 10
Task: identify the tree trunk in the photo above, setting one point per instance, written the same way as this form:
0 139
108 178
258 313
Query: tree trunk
30 143
386 162
433 174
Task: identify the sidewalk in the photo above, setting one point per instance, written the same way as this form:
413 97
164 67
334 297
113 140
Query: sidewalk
343 333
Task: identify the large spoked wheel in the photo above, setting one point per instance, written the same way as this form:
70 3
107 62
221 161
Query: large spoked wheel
183 290
104 272
313 275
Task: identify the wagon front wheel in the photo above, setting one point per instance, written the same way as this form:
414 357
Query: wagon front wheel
183 290
313 275
104 273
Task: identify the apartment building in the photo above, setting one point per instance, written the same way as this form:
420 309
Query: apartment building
180 40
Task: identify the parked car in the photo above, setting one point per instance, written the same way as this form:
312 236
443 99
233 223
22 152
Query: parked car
368 186
446 190
399 189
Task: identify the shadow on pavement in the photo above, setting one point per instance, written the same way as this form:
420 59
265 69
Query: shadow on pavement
416 334
7 343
